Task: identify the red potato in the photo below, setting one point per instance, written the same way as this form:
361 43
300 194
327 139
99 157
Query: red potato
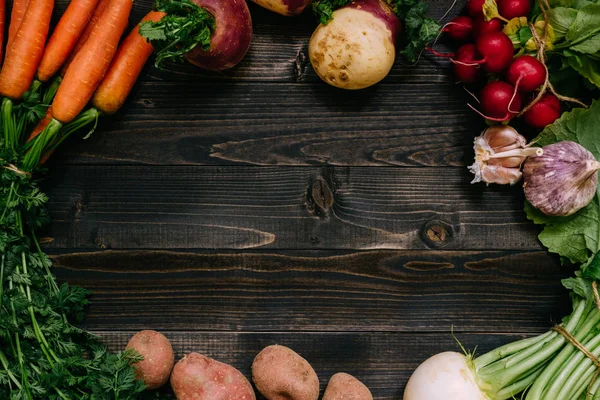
197 377
284 7
231 38
357 48
158 361
280 373
343 386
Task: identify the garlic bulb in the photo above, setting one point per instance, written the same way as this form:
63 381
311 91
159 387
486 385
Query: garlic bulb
562 180
499 153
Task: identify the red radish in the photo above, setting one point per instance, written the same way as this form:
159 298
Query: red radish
510 9
464 69
460 28
544 112
481 26
475 8
497 51
499 102
526 73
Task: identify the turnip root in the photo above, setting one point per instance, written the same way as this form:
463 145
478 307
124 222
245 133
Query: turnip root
284 7
280 373
197 377
357 48
231 38
158 361
212 34
447 376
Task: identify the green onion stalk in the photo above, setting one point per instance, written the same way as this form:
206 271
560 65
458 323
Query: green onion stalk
559 364
43 354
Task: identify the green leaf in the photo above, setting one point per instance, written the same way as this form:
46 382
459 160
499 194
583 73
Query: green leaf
323 9
186 26
584 33
579 286
587 67
575 237
561 19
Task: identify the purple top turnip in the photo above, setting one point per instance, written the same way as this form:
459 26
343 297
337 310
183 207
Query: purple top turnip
231 38
357 48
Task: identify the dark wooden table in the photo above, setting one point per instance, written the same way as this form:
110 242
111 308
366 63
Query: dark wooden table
232 211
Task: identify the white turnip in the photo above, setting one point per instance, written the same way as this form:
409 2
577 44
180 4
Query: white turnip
357 48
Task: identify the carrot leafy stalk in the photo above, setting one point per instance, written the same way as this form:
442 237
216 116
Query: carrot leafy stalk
186 26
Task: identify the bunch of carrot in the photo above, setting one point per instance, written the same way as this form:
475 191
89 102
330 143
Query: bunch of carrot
80 63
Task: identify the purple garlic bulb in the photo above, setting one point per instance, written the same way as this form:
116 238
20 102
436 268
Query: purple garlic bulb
562 180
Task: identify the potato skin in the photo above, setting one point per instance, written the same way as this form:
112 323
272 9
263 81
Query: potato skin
197 377
357 48
158 361
280 373
231 39
284 7
344 386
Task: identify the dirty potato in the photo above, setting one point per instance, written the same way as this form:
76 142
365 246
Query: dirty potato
280 373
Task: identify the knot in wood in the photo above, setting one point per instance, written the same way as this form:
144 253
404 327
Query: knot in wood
436 233
322 194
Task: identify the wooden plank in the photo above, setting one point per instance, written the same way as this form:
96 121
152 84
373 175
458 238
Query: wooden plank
283 124
408 291
383 361
133 207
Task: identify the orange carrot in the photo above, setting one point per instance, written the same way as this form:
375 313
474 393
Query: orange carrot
24 54
100 7
91 63
16 18
65 36
39 128
125 69
2 22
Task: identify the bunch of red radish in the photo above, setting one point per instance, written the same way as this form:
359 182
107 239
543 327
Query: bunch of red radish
512 82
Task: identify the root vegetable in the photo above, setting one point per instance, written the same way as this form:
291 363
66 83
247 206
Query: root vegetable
464 68
357 48
280 373
481 26
158 361
197 377
496 48
284 7
544 112
343 386
230 39
526 73
212 34
499 102
510 9
460 28
475 8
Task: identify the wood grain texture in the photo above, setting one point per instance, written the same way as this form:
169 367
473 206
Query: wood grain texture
408 291
383 361
121 207
284 124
